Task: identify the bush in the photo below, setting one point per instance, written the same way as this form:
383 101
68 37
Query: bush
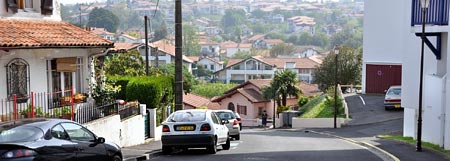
281 109
302 101
122 81
154 91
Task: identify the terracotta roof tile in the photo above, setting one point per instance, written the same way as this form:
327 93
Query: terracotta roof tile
252 95
32 33
195 100
124 47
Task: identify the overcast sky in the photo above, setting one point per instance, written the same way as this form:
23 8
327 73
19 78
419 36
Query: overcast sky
78 1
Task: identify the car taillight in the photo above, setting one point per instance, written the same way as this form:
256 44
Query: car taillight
205 127
19 153
239 119
165 128
235 122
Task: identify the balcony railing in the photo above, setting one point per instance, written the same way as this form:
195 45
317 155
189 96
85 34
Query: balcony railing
437 13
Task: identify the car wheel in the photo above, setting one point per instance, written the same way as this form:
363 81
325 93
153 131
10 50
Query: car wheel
226 146
117 158
237 137
166 150
212 149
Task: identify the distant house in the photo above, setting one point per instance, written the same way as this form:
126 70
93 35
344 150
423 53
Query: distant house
209 48
230 48
278 18
193 101
299 24
103 33
125 47
127 38
166 54
247 100
256 67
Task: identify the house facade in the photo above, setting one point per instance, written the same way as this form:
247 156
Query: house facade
247 100
166 54
256 67
392 53
41 54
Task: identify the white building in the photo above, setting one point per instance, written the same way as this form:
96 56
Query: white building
44 55
256 67
299 24
390 42
166 54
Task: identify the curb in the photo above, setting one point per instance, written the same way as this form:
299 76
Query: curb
146 156
386 156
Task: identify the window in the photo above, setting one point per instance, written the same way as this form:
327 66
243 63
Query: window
214 118
77 132
17 78
242 109
28 5
212 67
59 132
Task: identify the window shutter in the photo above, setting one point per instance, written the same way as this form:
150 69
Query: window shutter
238 109
46 7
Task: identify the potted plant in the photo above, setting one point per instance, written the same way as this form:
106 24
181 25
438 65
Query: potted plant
26 113
79 98
66 112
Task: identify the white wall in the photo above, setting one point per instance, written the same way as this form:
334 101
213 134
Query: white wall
124 133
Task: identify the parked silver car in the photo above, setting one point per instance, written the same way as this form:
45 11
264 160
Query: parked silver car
233 123
392 99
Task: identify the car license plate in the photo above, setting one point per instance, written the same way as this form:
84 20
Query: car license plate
397 106
185 128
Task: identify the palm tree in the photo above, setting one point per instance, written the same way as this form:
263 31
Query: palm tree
283 84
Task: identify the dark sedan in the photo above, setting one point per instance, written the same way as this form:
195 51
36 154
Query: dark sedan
53 140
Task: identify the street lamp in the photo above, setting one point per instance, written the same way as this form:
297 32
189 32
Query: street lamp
274 93
424 5
336 52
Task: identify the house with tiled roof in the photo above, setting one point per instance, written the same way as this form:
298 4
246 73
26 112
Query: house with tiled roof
123 47
247 100
257 67
193 101
230 48
42 54
209 48
123 37
299 24
165 50
103 33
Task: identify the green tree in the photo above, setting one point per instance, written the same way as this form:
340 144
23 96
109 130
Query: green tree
259 14
201 71
304 39
190 42
232 18
161 33
282 85
188 78
130 63
242 55
281 49
103 18
349 68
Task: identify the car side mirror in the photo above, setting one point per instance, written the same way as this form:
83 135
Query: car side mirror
100 140
224 121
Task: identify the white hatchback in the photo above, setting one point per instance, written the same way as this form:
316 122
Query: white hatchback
194 129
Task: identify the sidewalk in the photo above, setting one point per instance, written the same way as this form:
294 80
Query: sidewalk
142 152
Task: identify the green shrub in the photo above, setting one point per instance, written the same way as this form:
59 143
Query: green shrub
154 91
302 101
122 81
281 109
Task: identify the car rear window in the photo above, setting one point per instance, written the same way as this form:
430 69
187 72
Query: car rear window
226 115
20 134
394 91
187 116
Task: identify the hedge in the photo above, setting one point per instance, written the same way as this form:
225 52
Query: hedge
154 91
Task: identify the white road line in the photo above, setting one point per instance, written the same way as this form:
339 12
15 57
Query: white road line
364 103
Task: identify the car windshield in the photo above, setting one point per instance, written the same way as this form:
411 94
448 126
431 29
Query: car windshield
394 91
187 116
226 115
19 134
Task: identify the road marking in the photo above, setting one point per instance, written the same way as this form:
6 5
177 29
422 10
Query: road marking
364 103
234 144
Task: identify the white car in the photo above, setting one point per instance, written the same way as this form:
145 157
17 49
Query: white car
392 99
233 123
194 129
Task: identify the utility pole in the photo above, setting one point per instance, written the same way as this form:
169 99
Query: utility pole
178 58
146 46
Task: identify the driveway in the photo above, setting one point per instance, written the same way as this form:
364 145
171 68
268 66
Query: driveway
369 109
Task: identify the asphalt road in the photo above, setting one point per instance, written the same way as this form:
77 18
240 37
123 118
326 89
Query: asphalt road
279 145
369 109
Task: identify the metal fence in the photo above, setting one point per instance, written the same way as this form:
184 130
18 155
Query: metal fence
62 104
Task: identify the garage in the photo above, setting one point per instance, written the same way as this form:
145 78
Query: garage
380 77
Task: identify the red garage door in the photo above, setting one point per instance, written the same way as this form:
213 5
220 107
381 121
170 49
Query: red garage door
380 77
